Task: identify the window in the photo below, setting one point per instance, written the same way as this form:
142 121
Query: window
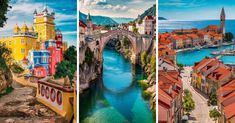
22 50
9 42
22 41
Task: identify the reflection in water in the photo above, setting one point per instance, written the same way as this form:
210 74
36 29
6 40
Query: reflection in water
116 97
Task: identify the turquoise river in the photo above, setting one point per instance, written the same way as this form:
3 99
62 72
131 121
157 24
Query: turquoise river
116 96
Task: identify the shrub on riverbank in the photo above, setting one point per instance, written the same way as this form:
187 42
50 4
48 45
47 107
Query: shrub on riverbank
146 94
143 84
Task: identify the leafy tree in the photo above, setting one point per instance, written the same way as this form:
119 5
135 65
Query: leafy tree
181 67
126 42
215 114
68 66
187 93
4 6
5 57
143 57
88 56
135 30
213 98
188 102
228 36
16 68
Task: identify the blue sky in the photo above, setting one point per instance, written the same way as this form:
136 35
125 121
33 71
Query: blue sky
115 8
195 9
65 16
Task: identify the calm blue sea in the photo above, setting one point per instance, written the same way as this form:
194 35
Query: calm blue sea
190 57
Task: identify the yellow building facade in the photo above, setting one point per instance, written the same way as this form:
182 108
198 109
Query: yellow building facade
27 38
44 25
21 42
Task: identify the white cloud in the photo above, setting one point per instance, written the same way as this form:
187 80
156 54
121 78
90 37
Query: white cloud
115 7
69 33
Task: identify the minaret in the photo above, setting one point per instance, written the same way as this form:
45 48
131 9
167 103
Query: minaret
89 24
222 21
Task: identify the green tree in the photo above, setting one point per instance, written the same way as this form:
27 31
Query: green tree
126 42
4 6
214 114
213 98
143 58
228 36
68 66
71 54
88 56
181 67
187 93
5 57
135 30
16 68
188 102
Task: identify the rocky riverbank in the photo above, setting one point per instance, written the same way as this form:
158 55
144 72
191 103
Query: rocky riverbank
21 106
89 68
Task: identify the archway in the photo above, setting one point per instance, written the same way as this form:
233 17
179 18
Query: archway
106 37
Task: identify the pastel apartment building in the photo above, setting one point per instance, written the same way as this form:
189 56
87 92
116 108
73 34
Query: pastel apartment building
210 74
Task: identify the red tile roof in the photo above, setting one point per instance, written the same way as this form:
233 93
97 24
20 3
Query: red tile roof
229 111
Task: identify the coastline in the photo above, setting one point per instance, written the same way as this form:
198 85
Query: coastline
193 48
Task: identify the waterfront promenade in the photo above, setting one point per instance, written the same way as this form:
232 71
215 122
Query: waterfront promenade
201 112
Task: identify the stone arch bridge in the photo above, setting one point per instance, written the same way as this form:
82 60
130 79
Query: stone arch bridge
138 42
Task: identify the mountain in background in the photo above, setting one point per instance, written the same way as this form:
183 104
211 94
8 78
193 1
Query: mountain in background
150 11
98 20
161 18
121 20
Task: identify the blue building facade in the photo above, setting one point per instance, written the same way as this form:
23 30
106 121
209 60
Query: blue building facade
39 58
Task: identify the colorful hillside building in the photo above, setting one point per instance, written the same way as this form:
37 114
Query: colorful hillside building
56 55
59 39
21 42
27 38
47 57
39 62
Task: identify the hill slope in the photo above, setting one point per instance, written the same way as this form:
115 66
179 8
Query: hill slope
99 20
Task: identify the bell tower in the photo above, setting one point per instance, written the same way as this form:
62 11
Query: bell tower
44 25
222 21
89 25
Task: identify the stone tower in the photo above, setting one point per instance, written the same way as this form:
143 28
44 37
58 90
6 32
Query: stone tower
89 25
222 21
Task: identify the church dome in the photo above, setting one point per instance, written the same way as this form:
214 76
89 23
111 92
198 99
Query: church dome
16 29
24 29
31 29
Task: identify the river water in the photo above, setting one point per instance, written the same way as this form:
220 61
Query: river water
116 97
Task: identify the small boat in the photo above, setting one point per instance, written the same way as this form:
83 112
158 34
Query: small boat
214 46
197 48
